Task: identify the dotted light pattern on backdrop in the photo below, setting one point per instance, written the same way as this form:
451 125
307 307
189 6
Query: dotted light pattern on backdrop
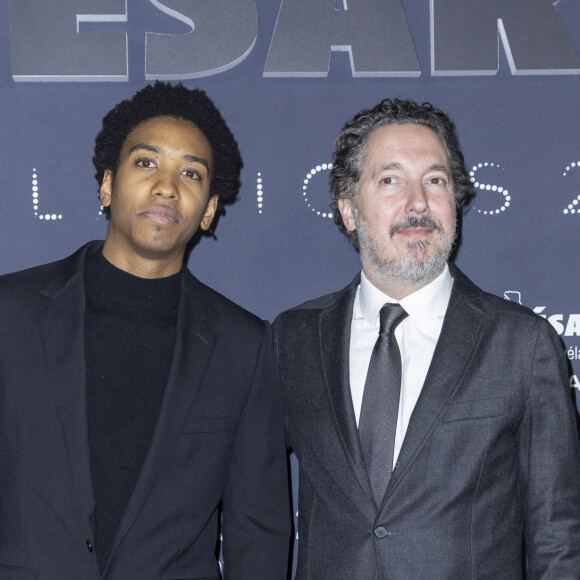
35 201
309 176
573 206
488 187
259 193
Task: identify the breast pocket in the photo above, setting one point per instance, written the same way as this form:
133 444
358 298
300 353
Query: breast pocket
477 409
210 424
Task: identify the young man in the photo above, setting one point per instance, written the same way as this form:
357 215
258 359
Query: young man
432 421
137 403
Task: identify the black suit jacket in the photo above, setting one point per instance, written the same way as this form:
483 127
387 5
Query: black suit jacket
218 440
490 460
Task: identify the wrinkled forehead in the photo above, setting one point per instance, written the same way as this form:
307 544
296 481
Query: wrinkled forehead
405 144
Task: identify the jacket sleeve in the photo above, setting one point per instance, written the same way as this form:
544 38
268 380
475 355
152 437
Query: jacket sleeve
549 458
256 504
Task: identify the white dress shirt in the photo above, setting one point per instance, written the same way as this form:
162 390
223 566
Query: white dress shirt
416 336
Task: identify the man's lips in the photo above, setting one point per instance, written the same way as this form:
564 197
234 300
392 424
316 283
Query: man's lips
415 232
161 214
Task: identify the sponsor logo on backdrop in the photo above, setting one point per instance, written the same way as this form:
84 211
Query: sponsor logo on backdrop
565 324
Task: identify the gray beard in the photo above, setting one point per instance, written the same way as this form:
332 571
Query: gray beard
419 268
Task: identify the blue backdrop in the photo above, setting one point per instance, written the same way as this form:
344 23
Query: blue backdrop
286 75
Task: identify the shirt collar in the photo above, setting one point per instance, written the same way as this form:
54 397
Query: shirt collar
426 307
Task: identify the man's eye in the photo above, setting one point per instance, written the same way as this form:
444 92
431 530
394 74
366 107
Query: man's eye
387 180
437 181
191 173
145 162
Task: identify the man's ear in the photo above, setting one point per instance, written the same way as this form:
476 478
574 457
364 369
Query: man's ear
106 188
209 213
346 208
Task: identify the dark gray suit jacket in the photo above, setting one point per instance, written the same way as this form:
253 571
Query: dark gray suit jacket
490 461
219 439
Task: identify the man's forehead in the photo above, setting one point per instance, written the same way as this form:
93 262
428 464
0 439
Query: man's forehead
392 144
162 128
396 132
163 123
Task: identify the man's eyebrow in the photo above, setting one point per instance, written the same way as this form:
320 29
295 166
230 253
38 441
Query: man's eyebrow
393 165
195 159
387 167
140 146
398 166
153 149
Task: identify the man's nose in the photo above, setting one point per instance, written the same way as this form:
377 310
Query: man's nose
165 185
417 200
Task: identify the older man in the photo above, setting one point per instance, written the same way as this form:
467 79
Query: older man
433 422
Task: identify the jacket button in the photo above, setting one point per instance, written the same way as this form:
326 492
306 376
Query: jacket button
90 546
380 532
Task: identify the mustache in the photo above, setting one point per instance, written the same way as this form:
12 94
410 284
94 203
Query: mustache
416 222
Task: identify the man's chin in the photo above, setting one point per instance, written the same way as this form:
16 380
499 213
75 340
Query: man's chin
414 269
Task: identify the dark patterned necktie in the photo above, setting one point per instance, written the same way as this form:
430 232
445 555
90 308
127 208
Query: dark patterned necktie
380 404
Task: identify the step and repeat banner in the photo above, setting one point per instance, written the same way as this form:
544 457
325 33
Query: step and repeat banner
287 74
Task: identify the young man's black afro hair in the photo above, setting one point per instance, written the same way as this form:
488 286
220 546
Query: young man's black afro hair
166 100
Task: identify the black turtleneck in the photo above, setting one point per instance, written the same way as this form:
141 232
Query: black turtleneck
130 329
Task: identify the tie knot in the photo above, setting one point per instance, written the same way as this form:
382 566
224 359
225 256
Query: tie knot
391 316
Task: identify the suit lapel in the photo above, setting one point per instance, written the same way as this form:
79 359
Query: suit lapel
193 348
460 335
62 331
335 329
